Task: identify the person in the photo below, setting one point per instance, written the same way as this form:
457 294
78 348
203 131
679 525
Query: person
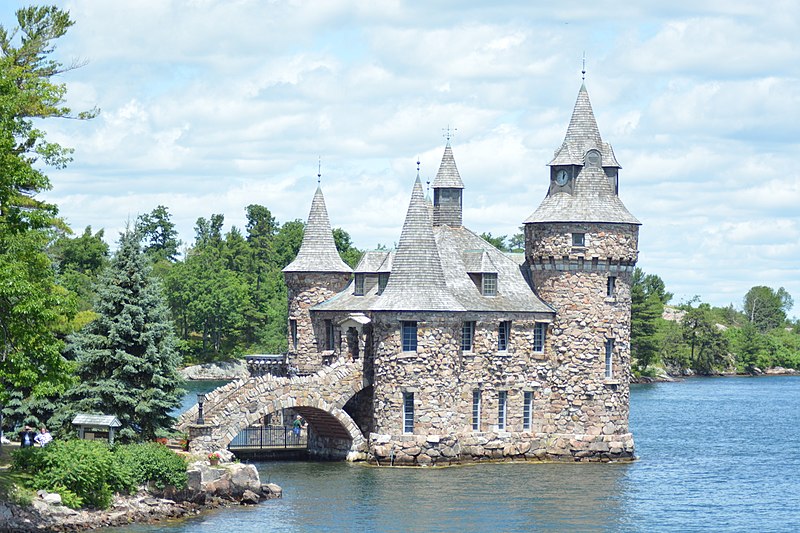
43 438
26 437
297 425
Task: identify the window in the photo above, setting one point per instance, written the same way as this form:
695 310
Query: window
539 331
467 333
489 287
503 333
578 239
502 396
527 410
293 332
329 335
611 285
476 410
609 357
409 336
359 285
408 412
383 279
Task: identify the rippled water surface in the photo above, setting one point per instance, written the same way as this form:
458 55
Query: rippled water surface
718 454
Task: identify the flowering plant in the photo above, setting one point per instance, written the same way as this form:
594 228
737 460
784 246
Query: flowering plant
214 456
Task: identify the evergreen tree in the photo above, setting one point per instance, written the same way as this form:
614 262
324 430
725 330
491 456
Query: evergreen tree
126 358
647 305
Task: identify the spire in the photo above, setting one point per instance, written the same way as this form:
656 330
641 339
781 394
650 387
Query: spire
417 281
318 250
582 135
448 176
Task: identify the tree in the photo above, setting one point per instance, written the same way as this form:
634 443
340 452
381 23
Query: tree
497 242
766 308
159 235
708 347
79 261
126 358
344 245
32 305
647 305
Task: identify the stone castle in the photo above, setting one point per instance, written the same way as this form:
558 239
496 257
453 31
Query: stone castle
469 353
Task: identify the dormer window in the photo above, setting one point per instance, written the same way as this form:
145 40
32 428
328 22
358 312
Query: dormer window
578 239
383 279
489 284
358 289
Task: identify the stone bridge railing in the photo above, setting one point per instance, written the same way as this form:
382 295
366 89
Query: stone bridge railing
233 407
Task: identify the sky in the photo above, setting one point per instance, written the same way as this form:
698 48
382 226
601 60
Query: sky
209 106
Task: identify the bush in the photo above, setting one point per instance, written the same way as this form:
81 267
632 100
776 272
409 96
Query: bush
89 472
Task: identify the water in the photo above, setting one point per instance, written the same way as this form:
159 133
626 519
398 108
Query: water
715 455
192 388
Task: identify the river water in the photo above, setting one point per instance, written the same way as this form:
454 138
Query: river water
715 454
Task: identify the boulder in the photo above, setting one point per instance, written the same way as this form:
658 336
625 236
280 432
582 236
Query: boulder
250 498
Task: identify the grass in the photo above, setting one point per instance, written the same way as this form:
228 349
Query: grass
12 483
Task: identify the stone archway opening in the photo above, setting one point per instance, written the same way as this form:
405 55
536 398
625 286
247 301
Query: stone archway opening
328 439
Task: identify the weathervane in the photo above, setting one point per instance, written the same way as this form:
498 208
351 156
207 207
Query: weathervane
448 133
583 71
319 170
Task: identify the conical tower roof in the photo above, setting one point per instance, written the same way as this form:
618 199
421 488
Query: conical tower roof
417 281
583 135
318 250
593 198
448 176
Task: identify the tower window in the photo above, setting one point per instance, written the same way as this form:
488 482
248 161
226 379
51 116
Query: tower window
329 335
409 336
408 412
489 284
609 357
611 285
539 331
527 410
467 334
503 334
359 285
502 397
383 279
476 410
293 332
578 239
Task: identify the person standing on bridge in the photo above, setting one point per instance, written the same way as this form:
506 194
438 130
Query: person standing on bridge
298 425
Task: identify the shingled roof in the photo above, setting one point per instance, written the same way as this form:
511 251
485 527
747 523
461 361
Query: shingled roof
448 177
417 281
582 136
318 250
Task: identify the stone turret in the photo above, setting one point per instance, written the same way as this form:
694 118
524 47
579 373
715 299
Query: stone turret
581 247
447 192
316 274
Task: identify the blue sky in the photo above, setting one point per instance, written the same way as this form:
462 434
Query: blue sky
209 106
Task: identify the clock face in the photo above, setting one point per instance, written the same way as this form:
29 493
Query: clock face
562 177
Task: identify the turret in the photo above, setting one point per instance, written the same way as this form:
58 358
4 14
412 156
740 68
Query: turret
447 192
316 274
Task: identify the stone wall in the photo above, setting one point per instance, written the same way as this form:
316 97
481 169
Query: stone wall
304 290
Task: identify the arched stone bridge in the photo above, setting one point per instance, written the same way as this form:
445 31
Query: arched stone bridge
320 398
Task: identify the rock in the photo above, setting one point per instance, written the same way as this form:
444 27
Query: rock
273 490
250 498
216 371
244 477
52 498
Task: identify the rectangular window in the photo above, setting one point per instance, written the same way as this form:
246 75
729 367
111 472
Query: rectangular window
329 335
293 332
503 334
527 410
539 332
408 412
476 410
383 279
609 357
467 333
490 284
578 239
409 336
611 285
359 285
502 396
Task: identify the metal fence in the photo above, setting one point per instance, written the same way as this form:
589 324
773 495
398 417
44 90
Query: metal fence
269 437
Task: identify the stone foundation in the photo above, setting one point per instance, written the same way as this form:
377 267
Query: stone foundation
433 450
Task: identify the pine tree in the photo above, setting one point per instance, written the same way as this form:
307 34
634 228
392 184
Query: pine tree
127 361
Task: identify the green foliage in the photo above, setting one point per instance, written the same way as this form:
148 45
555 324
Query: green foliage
647 305
87 473
344 245
126 358
159 236
498 242
708 347
766 308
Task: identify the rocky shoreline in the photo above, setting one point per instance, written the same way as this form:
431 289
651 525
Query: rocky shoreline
216 371
208 487
665 377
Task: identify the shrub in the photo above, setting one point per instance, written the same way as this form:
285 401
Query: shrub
152 462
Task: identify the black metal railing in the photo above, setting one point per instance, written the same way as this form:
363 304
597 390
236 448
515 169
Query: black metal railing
269 437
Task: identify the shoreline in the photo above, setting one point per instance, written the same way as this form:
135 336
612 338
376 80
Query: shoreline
668 378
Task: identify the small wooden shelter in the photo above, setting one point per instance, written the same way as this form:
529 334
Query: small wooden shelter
96 427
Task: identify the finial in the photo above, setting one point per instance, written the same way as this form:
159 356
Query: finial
429 187
583 71
417 166
319 170
448 133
